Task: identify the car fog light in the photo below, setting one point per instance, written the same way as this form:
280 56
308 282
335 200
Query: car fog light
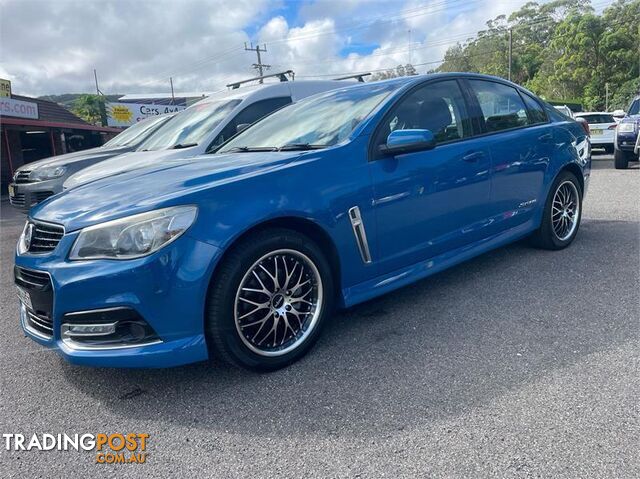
90 329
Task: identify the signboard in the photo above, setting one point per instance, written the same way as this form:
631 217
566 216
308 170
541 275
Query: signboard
18 108
5 88
126 114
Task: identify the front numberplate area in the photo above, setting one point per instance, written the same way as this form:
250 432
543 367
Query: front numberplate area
25 297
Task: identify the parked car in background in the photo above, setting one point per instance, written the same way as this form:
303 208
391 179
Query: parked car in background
564 109
204 126
626 137
335 199
37 181
602 127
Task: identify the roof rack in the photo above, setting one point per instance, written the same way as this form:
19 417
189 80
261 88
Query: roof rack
358 76
281 75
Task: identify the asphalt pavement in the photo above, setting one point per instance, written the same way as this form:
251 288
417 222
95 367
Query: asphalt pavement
520 363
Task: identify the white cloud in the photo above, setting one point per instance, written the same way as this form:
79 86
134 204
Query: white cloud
53 46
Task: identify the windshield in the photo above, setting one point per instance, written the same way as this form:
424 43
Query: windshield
137 133
634 109
191 126
320 121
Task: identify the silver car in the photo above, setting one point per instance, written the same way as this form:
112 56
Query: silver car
37 181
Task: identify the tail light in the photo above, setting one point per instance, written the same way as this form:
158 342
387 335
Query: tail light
584 125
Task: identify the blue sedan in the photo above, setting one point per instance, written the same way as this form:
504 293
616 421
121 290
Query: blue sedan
243 254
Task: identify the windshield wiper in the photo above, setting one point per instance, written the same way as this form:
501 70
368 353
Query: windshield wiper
243 149
180 146
300 146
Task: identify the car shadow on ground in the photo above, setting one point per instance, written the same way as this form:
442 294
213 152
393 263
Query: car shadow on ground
428 351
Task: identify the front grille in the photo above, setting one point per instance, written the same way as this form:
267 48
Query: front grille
45 237
42 324
17 200
41 196
38 317
22 176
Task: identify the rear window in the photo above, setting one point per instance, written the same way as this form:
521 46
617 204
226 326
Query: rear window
597 119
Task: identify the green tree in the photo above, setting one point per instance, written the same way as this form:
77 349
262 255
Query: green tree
91 108
561 50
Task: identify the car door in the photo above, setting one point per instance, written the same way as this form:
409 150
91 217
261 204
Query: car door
429 202
520 139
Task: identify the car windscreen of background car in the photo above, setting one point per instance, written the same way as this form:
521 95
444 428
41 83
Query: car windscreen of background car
322 120
634 109
191 126
136 132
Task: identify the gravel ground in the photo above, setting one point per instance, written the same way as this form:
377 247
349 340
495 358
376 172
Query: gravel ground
520 363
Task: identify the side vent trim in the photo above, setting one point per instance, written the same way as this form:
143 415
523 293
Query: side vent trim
360 234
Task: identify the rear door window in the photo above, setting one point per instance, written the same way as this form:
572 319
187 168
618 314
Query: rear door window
502 107
535 110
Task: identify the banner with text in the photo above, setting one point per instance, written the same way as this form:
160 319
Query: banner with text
126 114
18 108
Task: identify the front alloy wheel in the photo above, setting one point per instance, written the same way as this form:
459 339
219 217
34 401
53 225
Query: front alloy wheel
268 300
278 303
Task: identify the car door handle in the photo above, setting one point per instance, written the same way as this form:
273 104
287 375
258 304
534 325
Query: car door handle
473 156
546 137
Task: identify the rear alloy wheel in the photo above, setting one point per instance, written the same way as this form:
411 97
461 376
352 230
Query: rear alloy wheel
562 214
269 300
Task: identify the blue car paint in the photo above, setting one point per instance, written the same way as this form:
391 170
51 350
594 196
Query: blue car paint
405 201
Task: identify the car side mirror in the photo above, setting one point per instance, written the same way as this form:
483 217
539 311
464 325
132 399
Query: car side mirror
407 141
242 126
619 113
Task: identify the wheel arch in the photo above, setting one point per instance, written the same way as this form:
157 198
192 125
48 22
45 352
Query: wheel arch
576 171
305 226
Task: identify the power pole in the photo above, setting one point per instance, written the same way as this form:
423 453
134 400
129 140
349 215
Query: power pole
95 76
510 51
258 66
173 99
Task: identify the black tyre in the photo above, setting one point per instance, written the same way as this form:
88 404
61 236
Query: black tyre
608 149
621 159
269 300
562 214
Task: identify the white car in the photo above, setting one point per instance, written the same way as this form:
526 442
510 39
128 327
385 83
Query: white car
204 126
565 110
602 127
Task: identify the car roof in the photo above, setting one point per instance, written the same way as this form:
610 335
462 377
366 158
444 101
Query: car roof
275 89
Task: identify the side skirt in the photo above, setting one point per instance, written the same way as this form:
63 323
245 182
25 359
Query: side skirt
402 277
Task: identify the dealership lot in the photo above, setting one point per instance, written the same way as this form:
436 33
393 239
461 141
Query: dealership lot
520 363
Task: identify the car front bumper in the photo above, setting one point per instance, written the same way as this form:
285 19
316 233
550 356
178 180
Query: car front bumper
166 289
626 141
25 195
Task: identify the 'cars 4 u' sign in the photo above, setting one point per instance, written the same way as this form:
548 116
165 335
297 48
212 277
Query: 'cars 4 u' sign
126 114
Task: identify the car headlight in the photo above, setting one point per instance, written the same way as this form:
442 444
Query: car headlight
43 174
133 236
626 127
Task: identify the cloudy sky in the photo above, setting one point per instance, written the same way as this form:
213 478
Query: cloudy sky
52 46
